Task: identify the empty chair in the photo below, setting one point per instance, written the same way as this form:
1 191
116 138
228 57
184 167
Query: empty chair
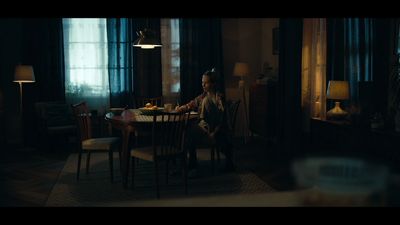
88 144
168 130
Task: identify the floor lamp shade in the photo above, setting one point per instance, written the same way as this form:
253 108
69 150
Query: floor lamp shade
23 74
240 70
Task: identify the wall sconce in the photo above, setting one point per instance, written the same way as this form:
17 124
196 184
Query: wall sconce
147 39
337 90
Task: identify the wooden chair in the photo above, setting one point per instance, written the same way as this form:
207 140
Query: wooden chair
231 108
141 101
87 143
167 145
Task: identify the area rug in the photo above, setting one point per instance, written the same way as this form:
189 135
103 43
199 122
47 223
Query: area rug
95 188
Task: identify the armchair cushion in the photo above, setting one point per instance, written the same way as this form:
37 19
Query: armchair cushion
58 115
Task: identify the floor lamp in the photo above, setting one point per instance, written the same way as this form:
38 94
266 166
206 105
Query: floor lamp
241 70
23 74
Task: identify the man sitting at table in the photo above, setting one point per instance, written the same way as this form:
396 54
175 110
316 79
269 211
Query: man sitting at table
212 123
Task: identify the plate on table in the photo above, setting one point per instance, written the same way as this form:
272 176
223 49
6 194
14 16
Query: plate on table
117 111
150 111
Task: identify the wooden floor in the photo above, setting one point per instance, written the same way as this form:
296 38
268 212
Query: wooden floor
27 175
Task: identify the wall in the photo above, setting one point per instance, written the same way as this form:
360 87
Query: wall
246 40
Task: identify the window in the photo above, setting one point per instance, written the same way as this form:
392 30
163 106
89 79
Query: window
86 62
88 66
170 59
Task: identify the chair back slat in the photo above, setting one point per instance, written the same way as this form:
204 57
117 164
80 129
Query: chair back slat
168 133
82 116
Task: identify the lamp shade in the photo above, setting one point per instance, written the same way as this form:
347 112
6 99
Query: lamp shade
147 39
338 90
241 69
24 74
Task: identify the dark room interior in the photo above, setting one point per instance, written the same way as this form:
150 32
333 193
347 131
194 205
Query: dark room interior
199 112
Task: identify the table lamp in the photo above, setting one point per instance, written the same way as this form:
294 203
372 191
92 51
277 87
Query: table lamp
337 90
23 74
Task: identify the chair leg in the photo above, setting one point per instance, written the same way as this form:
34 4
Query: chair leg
184 168
213 160
111 160
87 162
218 157
166 171
133 172
79 165
156 176
119 154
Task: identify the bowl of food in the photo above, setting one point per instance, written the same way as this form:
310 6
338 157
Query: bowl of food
117 111
150 109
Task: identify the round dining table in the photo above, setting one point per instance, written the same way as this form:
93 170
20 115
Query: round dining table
129 121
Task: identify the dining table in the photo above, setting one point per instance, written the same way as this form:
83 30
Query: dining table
128 121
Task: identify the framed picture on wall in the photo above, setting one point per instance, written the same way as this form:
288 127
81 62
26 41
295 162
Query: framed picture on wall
275 41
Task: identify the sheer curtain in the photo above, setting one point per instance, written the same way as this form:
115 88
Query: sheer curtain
170 59
313 82
86 62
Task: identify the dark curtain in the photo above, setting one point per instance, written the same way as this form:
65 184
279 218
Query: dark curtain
394 77
358 51
335 49
289 89
200 50
42 47
120 61
147 62
383 47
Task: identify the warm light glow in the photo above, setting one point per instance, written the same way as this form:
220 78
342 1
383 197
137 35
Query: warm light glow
24 74
147 46
338 90
241 69
146 40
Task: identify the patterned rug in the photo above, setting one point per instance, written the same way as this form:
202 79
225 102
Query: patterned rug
95 188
